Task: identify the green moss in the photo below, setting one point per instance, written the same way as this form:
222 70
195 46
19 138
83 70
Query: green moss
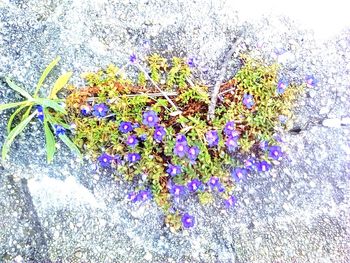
128 101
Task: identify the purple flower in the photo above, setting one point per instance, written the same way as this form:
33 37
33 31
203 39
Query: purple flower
214 182
180 149
143 137
187 220
281 86
279 51
194 185
174 170
133 58
40 113
231 144
263 166
132 197
192 153
239 174
282 118
248 100
263 145
230 202
59 130
181 138
100 110
133 157
177 190
125 127
150 118
249 164
229 128
105 160
117 159
132 141
159 133
212 138
85 110
191 61
144 195
135 125
146 44
311 81
275 152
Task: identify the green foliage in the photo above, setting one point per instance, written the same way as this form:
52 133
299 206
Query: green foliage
51 107
127 103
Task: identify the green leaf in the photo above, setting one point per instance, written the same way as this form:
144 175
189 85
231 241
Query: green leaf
13 86
64 138
44 75
50 104
11 105
12 135
12 117
59 84
50 142
26 114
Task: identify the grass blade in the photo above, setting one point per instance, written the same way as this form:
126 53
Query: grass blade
11 105
13 86
70 144
50 142
13 116
50 104
59 84
44 75
12 135
26 114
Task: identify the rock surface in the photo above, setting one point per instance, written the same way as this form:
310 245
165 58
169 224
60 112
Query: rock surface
69 212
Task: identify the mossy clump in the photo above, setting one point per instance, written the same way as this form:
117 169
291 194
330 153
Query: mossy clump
169 153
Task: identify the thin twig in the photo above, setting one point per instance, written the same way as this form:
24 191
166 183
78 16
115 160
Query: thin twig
226 91
216 89
190 82
91 99
155 84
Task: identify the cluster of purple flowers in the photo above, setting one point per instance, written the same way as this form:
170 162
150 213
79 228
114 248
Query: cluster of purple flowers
214 183
182 148
105 160
232 136
142 195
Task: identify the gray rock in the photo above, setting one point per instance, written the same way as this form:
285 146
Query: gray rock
71 212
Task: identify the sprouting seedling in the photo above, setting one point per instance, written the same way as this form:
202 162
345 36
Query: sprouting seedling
46 110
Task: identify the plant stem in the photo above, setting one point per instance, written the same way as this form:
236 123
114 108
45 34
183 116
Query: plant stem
139 94
216 89
155 84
